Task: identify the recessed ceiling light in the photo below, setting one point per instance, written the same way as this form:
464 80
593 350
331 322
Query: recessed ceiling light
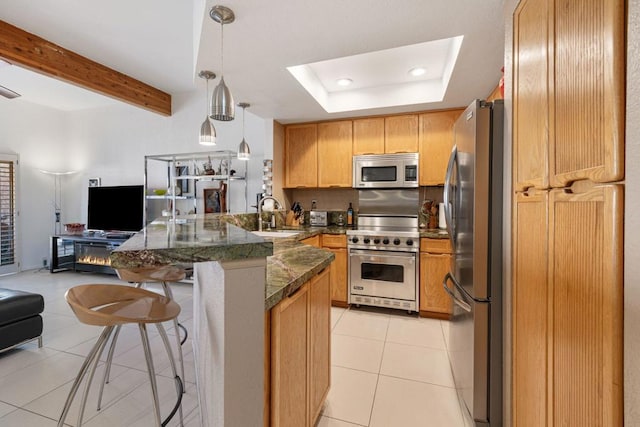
344 82
417 71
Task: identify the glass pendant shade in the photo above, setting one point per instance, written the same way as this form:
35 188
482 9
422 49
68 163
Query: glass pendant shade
244 153
207 133
222 106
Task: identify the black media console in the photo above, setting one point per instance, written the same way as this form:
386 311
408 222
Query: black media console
80 252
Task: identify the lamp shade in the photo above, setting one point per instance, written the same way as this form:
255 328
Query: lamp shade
207 133
244 153
222 107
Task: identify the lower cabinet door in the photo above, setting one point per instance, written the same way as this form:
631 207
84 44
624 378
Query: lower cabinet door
339 277
319 342
289 335
433 298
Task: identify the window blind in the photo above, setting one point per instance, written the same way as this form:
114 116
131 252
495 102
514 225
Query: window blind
7 213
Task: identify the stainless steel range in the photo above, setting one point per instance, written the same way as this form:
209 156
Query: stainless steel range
384 250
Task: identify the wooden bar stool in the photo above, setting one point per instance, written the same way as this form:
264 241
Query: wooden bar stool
141 275
111 306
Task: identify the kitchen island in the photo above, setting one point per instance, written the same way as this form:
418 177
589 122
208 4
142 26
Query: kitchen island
238 278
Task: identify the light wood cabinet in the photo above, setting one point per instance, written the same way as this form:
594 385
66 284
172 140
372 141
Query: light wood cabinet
530 309
568 259
339 280
568 92
368 136
289 364
435 261
319 343
531 63
585 281
300 353
312 241
335 154
401 134
301 156
435 143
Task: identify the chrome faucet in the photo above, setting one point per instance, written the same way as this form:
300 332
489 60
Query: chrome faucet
260 203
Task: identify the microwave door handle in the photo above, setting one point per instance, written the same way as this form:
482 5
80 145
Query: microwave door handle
466 307
448 194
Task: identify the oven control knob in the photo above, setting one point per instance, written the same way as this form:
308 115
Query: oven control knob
355 240
385 241
376 241
366 240
409 242
396 241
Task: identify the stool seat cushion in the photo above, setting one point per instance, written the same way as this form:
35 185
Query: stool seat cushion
19 305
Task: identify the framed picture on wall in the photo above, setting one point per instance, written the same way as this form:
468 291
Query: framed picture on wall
215 199
94 182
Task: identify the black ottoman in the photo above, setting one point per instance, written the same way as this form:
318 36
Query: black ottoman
20 319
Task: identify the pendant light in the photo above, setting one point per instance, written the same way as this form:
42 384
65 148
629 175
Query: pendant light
207 130
222 107
244 153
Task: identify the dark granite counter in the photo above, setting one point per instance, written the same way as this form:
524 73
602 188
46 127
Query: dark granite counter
204 238
200 238
435 233
291 265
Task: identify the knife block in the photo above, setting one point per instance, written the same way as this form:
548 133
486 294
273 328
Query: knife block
291 221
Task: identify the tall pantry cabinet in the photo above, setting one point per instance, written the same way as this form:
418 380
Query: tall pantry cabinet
568 171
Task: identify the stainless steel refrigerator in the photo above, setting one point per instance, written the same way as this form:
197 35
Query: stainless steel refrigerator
473 212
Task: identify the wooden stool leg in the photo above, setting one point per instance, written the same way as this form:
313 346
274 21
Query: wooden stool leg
83 371
151 371
179 386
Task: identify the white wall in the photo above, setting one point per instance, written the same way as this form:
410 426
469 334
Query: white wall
109 143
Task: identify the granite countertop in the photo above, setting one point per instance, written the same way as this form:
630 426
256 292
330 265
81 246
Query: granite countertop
212 238
434 233
291 265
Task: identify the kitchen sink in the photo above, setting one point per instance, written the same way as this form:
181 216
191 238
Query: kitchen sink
276 233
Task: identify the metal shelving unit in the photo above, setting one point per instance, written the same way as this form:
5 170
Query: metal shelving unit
180 173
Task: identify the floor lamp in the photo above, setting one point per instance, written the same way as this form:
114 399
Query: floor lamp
57 197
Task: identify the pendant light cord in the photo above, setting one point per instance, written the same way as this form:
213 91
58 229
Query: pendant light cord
206 100
221 50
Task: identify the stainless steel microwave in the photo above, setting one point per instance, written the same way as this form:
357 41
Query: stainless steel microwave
385 171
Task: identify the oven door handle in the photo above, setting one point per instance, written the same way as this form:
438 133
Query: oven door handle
367 255
466 307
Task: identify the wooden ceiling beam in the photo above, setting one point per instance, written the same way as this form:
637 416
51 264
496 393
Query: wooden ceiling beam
37 54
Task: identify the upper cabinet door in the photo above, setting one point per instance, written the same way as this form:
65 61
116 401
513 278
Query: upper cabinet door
335 154
401 134
531 64
301 156
435 143
368 136
588 102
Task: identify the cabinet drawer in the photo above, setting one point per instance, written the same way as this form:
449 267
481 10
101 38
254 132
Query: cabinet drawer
438 246
334 240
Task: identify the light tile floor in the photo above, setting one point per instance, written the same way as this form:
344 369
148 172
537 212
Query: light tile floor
388 369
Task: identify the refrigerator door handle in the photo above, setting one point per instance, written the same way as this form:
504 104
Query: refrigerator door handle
466 307
447 193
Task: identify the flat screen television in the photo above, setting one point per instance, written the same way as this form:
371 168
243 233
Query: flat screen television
116 208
